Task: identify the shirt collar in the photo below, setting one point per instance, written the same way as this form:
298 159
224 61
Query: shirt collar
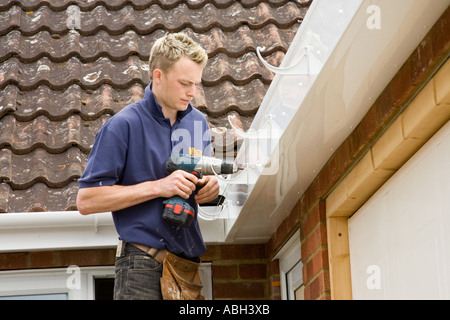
155 108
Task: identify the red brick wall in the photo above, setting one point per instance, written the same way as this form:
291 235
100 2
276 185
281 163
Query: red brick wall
56 259
242 272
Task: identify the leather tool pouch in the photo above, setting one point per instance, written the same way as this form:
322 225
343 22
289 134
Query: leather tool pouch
180 279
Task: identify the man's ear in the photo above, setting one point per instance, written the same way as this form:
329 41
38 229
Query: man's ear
157 74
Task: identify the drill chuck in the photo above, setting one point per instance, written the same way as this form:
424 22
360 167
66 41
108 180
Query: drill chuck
228 168
200 166
211 166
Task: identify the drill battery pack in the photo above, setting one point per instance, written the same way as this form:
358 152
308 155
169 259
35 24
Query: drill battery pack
178 211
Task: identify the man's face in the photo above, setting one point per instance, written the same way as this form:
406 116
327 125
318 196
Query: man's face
179 85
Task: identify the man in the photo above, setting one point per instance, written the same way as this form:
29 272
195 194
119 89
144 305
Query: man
126 173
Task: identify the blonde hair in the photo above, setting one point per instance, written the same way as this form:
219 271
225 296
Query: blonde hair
166 51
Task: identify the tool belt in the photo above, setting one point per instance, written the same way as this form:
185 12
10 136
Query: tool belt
156 254
180 279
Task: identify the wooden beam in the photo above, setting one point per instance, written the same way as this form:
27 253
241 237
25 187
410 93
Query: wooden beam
339 258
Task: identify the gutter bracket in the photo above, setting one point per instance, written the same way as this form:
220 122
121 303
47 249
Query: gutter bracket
308 64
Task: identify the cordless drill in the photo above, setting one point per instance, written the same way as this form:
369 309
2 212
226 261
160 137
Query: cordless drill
176 209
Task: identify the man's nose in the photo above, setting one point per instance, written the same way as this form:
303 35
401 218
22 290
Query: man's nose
192 91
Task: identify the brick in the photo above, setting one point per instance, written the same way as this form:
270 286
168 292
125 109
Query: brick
229 272
240 290
342 158
401 84
42 259
421 60
276 241
384 108
212 253
275 289
366 130
285 230
294 218
314 266
440 36
317 239
319 288
253 271
13 261
274 267
310 198
316 216
96 257
252 251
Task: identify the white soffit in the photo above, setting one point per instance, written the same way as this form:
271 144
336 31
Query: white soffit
317 113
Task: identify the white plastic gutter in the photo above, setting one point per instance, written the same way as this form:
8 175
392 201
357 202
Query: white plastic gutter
55 230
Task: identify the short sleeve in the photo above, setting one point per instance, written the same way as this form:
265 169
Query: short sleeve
106 160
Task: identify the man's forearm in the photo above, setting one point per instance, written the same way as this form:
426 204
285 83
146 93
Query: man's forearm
116 197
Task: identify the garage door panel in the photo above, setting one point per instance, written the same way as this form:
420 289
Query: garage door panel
404 230
424 272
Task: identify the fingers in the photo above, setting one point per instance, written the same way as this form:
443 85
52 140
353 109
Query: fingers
185 183
178 183
209 192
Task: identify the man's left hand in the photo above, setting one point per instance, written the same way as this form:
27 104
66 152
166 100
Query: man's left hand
209 191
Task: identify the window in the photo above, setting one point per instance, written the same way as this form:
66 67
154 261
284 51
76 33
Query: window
291 275
72 283
294 283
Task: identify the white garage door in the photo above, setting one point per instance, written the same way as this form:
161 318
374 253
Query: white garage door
400 239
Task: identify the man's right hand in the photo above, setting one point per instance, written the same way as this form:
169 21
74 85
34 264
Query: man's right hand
179 183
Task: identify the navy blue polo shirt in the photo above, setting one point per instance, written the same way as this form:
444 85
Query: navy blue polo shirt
132 147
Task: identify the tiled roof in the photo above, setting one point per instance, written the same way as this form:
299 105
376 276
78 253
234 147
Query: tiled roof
67 66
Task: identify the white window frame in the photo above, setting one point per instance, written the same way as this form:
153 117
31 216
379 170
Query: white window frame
54 281
289 257
206 278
